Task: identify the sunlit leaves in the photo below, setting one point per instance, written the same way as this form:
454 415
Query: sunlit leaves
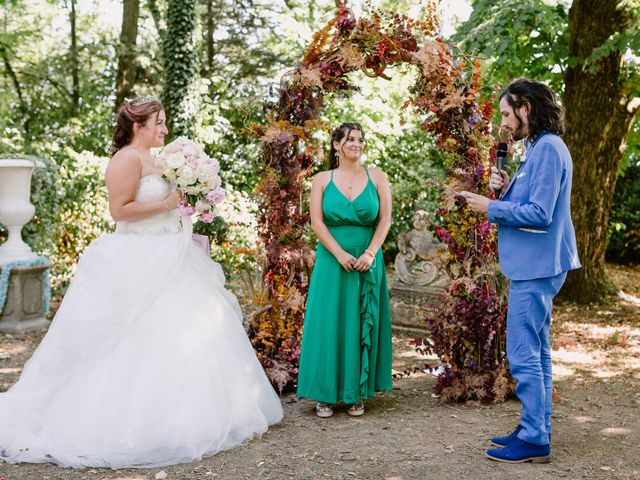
518 38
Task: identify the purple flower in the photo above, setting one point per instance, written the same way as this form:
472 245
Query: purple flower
207 217
186 210
216 195
473 120
284 138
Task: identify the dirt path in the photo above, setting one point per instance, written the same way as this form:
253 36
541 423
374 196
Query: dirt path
406 434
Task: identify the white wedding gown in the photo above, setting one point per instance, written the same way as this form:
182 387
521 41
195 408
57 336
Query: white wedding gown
146 362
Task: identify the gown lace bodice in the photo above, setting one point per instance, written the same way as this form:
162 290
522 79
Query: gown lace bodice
152 188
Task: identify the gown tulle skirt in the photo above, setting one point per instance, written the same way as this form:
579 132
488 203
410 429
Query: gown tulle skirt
145 364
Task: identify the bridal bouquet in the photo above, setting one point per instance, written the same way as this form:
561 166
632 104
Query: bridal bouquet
186 166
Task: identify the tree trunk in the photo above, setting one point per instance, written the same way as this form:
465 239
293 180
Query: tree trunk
75 77
180 59
126 76
209 39
598 123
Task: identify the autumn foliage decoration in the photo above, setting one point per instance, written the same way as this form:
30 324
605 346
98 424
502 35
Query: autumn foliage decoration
446 97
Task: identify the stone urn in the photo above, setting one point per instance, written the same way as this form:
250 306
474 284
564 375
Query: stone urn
24 300
15 208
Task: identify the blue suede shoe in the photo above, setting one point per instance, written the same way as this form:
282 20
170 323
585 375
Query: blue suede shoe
505 440
520 451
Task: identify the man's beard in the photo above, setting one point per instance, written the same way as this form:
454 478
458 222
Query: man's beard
519 133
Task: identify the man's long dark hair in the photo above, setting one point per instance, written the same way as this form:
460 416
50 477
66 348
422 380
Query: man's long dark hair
545 113
338 134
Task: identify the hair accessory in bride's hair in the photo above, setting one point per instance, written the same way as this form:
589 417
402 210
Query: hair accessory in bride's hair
143 100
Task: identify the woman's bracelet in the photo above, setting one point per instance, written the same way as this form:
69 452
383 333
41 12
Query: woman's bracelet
373 255
166 205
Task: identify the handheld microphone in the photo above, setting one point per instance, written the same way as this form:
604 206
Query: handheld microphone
501 158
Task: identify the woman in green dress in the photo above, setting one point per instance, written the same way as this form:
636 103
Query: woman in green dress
346 343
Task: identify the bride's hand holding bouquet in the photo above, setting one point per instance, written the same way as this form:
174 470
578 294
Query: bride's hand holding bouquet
185 164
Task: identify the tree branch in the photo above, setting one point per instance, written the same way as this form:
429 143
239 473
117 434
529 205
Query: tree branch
16 83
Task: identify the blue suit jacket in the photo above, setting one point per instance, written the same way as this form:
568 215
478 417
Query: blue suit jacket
536 238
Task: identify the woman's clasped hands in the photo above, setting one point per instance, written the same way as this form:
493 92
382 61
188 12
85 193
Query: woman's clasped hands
351 263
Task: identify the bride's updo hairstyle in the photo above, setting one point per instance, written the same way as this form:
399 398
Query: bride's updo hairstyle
135 111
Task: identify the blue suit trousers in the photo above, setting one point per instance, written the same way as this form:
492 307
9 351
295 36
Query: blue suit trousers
529 352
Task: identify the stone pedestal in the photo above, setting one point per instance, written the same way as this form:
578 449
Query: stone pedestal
25 304
410 305
419 276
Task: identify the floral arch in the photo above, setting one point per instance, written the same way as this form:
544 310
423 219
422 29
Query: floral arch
446 96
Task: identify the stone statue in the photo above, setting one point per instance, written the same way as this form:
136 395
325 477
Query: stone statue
419 261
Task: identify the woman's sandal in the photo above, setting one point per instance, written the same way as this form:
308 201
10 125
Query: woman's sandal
324 410
356 409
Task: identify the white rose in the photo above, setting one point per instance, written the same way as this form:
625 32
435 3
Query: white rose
204 189
204 172
175 160
170 175
186 176
202 207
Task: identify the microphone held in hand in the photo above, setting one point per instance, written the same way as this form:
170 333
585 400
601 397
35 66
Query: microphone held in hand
501 158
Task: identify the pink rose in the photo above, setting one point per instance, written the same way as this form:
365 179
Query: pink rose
213 183
186 209
192 163
216 195
207 217
189 151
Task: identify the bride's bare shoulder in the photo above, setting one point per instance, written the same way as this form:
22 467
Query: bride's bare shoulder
125 162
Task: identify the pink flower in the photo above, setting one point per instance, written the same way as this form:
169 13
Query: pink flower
186 209
215 167
214 182
207 217
216 195
189 151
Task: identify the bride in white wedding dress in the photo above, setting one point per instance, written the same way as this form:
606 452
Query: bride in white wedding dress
146 362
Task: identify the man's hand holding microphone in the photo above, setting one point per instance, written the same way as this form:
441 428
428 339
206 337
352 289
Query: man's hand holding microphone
498 183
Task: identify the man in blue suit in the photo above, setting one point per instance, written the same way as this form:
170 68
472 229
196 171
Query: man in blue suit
537 246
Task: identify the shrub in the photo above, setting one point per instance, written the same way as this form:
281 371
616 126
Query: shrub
70 197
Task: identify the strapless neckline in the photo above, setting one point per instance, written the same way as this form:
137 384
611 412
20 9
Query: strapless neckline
152 188
144 177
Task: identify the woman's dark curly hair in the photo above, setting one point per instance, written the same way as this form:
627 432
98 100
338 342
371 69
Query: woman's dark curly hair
545 113
338 134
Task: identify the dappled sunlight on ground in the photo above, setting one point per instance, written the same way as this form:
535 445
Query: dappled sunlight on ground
407 434
602 351
601 340
7 351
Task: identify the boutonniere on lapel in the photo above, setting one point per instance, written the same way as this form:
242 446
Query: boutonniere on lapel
521 174
517 151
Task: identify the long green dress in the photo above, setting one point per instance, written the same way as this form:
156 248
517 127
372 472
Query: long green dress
346 342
